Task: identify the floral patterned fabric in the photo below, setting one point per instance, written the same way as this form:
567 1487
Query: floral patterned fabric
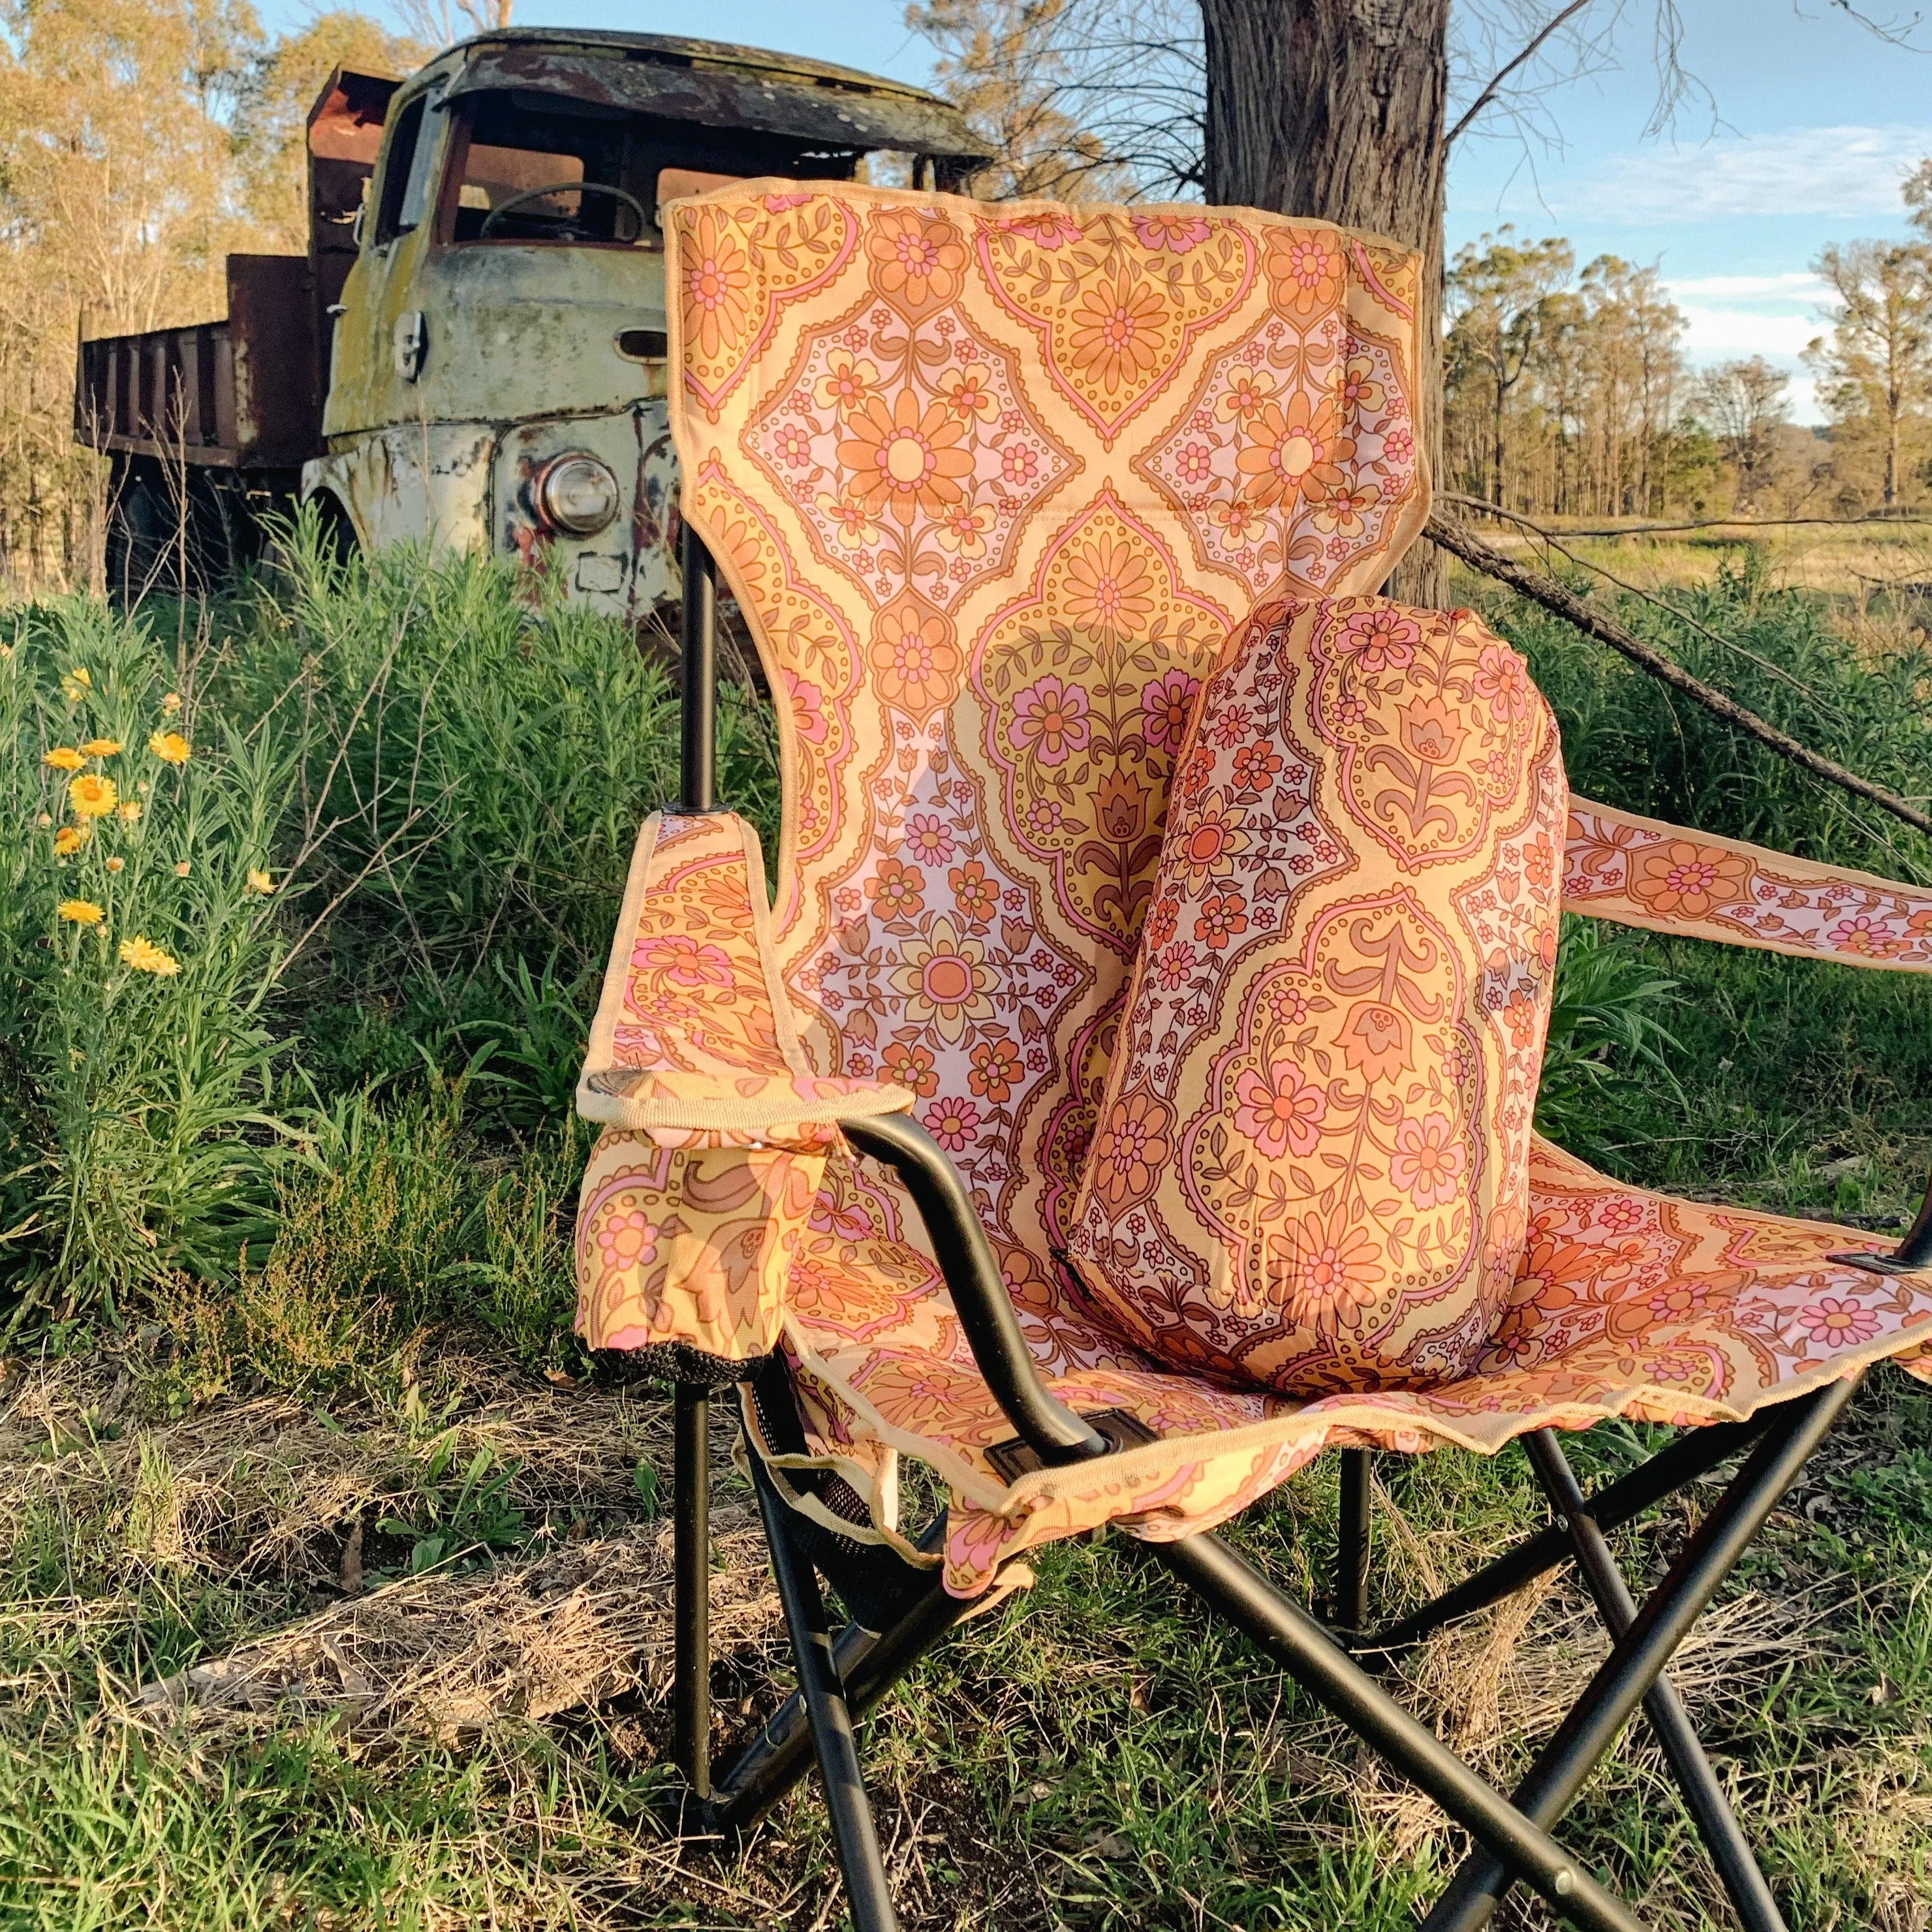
1639 872
991 485
1312 1165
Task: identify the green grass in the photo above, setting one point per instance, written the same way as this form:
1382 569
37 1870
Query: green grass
291 1294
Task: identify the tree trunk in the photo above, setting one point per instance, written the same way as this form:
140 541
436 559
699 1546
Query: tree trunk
1333 109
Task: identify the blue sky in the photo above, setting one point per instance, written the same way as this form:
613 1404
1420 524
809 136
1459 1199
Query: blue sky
1818 118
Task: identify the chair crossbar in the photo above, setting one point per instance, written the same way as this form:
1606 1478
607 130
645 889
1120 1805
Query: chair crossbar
1717 1824
1693 1454
1227 1583
1638 1656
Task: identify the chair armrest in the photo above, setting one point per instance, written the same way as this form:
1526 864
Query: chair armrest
694 1034
979 1298
1642 872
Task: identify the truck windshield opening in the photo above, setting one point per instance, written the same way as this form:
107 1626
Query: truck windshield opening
522 177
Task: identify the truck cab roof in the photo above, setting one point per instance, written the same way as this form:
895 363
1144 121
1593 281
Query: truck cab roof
712 83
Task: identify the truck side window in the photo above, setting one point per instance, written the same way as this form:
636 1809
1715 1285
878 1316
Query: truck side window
406 173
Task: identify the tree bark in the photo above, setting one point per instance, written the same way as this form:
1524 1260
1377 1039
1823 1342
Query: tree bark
1334 108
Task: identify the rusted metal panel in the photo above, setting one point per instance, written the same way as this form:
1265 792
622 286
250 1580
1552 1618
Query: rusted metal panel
722 87
270 324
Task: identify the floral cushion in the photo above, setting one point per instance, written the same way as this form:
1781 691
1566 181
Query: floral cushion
1311 1167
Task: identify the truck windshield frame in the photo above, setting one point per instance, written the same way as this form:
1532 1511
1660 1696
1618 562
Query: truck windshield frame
502 146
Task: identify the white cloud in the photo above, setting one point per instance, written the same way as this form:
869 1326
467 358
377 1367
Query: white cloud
1722 332
1846 172
1794 285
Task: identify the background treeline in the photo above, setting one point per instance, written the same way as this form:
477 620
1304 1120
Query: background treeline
141 141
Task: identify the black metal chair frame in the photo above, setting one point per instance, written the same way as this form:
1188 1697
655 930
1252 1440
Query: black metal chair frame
842 1676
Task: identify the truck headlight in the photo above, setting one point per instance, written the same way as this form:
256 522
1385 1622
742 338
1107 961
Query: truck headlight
577 493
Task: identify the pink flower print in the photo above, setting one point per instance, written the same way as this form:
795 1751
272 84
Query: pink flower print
1617 1215
1281 1113
952 1123
777 204
1175 232
627 1240
1231 727
1166 705
1042 817
1173 965
808 708
1050 720
1380 640
1398 446
1018 465
1502 682
929 838
1865 935
1428 1160
682 961
1838 1323
792 445
1195 463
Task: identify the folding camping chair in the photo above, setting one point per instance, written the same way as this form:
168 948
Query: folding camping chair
992 486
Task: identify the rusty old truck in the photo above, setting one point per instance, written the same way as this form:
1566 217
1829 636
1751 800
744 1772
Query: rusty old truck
471 352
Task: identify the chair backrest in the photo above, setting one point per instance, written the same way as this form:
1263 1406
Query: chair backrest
992 484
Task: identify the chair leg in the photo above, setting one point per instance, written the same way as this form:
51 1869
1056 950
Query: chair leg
1717 1824
1351 1605
867 1891
1638 1656
691 1482
1227 1583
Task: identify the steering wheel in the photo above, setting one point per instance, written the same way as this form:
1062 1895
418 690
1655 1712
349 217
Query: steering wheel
629 200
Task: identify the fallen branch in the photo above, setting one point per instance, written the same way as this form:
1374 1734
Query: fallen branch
1456 537
1896 519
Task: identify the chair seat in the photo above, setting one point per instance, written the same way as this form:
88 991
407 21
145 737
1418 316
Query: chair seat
1627 1304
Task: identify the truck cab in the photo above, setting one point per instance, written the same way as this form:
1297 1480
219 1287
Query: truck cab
495 356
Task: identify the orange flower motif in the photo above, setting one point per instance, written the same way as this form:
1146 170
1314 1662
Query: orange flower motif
1305 272
1326 1271
848 383
962 530
917 259
916 661
1678 878
1110 589
897 890
1339 513
911 1066
976 896
1282 1112
1432 731
1208 847
969 394
904 459
717 285
997 1069
1117 335
1240 518
945 981
1131 1149
1292 453
855 525
1360 392
1249 391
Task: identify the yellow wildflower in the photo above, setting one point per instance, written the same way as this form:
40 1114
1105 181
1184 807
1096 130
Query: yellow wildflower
171 703
169 746
181 868
259 881
45 818
146 957
130 812
80 912
68 840
117 863
76 684
92 796
100 748
65 758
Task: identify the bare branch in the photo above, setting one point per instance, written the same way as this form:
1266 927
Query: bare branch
1522 58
